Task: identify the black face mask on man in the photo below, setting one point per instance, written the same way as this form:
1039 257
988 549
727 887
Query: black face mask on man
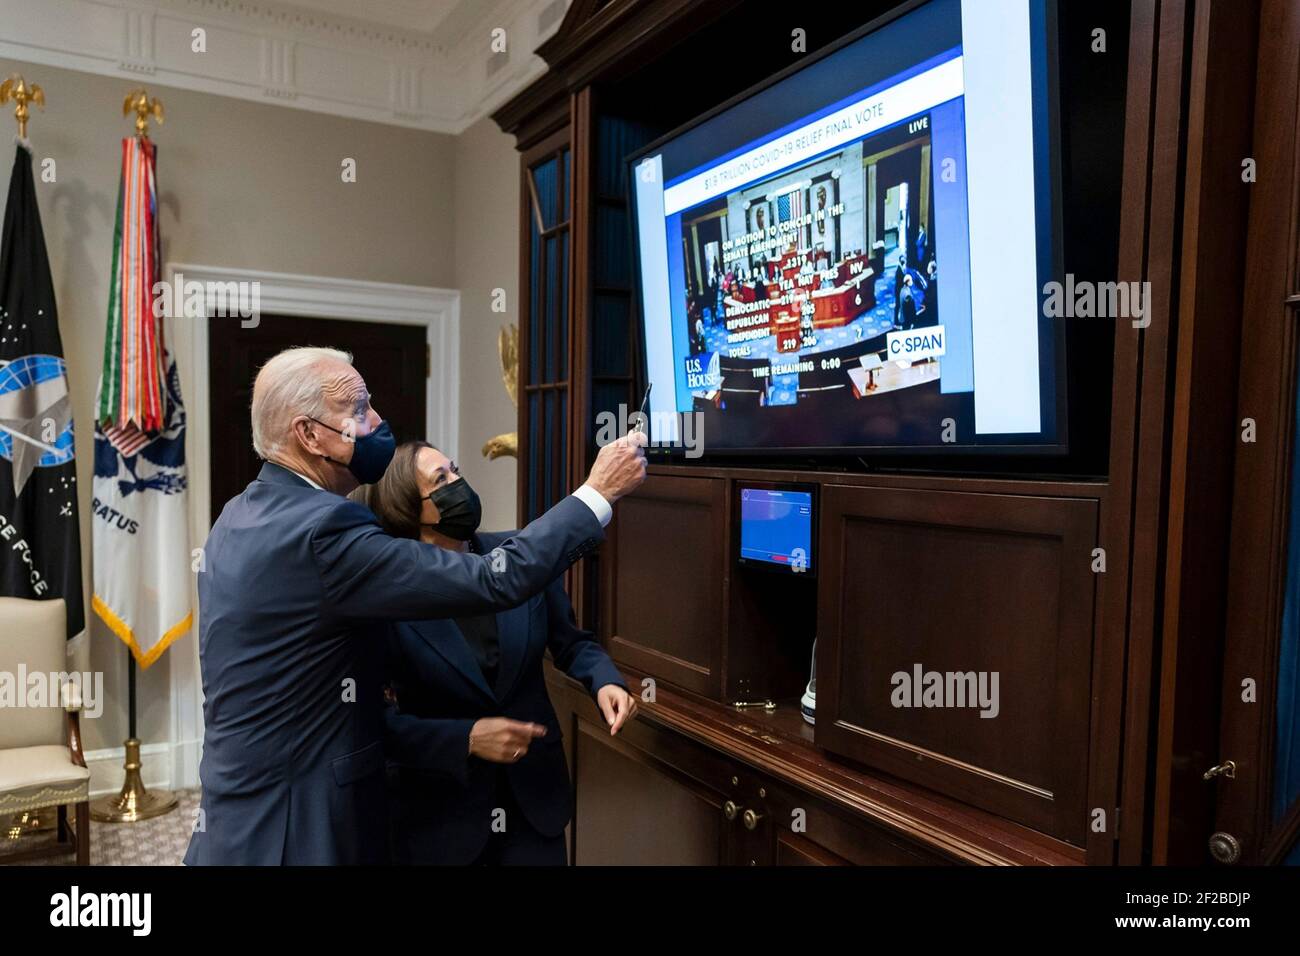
459 510
370 453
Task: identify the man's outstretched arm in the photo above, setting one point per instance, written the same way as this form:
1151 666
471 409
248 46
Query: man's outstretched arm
365 573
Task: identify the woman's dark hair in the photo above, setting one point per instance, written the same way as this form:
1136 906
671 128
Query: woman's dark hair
395 498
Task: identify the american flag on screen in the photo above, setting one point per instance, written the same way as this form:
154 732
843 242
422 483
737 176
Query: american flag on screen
791 206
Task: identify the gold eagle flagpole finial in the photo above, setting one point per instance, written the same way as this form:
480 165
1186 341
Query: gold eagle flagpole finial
21 92
507 444
139 102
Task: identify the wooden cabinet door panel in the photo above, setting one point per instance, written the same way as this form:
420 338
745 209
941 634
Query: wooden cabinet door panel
633 810
667 582
989 600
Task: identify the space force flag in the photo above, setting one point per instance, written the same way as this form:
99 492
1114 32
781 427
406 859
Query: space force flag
40 544
139 527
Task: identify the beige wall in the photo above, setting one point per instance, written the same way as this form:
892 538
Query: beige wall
487 258
247 185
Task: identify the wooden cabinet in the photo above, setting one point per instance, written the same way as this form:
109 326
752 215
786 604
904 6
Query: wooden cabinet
650 798
962 566
985 587
954 643
656 795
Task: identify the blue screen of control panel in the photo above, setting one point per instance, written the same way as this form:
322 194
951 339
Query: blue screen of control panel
776 527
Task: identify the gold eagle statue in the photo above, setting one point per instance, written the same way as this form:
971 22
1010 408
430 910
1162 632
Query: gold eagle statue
144 107
21 92
507 444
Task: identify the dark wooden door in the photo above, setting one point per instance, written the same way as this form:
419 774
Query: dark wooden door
1248 826
393 359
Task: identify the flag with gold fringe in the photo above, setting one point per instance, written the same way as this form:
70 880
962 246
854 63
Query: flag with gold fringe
140 519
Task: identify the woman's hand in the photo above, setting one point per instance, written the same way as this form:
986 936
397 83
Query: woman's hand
617 705
502 740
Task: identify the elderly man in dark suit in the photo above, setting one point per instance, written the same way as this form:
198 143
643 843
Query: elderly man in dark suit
297 582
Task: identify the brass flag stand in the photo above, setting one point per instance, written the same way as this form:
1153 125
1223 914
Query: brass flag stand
135 802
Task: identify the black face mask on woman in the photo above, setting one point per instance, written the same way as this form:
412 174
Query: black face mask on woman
459 510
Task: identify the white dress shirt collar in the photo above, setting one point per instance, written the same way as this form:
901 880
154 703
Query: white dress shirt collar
303 477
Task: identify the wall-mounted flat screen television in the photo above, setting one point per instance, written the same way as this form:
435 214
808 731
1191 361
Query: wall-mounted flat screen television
854 257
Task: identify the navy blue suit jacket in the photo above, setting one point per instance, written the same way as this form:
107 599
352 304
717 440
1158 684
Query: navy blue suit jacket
443 798
297 589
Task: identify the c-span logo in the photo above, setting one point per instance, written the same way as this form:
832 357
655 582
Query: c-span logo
915 345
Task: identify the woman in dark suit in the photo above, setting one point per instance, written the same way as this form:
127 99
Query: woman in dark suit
472 739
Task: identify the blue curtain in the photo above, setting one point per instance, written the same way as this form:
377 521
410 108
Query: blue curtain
1286 775
548 193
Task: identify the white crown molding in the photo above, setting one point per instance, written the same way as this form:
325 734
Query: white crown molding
270 52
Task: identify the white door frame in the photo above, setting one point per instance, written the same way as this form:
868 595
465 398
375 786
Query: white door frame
320 297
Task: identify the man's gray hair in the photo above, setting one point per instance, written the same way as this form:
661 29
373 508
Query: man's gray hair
288 386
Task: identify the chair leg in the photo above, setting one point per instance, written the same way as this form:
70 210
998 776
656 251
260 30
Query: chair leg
63 823
83 833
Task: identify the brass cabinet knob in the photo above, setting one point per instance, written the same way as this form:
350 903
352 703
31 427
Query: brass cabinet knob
730 810
1226 769
751 819
1225 848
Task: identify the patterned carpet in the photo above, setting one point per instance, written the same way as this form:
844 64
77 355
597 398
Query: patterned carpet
157 842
